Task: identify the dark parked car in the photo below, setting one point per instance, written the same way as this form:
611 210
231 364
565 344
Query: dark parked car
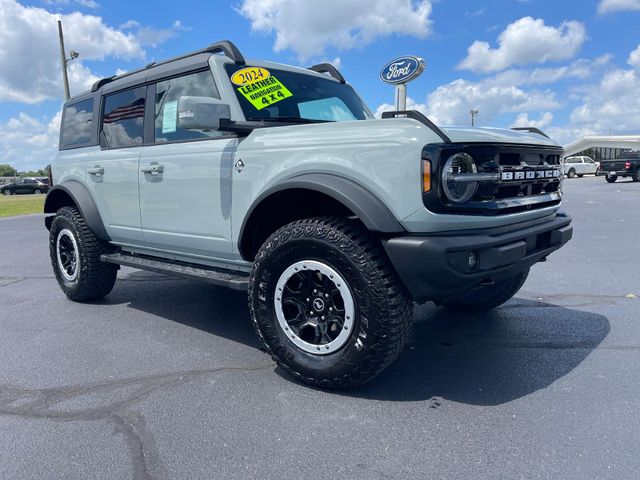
24 185
627 165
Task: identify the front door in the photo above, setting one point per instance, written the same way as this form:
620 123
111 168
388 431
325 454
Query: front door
21 187
185 177
113 176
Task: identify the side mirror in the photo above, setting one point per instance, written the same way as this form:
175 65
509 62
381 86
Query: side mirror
201 113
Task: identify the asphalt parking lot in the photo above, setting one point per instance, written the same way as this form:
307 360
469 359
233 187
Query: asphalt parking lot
164 378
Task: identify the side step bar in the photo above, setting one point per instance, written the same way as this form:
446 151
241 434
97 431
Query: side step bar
235 281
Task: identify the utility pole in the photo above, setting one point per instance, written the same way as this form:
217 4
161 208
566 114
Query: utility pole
64 61
474 114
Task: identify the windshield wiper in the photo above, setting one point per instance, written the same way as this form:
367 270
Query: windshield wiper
289 120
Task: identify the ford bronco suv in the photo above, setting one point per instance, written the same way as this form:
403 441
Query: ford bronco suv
277 180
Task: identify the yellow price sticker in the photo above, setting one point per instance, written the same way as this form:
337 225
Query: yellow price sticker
263 93
249 75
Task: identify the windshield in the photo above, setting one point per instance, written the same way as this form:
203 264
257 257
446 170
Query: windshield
279 95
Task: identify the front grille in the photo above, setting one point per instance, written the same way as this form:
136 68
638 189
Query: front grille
526 178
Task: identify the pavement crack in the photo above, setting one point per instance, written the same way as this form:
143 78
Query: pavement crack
140 443
114 401
41 403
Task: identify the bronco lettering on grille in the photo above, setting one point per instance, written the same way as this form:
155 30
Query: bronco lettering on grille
520 175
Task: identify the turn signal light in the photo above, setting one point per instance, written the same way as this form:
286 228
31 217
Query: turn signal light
426 176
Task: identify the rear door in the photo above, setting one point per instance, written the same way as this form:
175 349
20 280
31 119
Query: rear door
113 176
185 175
581 166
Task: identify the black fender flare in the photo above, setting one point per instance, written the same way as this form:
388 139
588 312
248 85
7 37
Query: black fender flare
369 209
82 199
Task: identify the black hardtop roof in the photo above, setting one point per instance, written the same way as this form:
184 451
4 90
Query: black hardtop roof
163 68
225 46
177 65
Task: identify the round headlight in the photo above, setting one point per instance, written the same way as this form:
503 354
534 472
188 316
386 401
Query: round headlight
458 190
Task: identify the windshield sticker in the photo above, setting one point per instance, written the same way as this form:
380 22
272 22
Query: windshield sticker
249 75
170 117
263 93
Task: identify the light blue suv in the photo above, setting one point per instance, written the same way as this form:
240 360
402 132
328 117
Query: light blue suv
277 180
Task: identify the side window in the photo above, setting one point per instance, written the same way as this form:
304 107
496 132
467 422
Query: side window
122 118
168 93
77 123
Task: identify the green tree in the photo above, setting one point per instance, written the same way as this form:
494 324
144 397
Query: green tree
7 171
34 173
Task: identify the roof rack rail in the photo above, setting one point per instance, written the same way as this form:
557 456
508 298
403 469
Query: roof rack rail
225 46
330 69
531 130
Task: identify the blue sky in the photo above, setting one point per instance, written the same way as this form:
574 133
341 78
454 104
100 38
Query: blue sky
570 67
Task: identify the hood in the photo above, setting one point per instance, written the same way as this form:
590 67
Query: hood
391 131
495 135
358 133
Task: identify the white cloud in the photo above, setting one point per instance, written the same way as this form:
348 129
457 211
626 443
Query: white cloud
153 36
542 122
634 58
308 27
475 13
606 6
450 104
613 103
29 52
579 70
610 105
82 3
411 105
28 143
526 41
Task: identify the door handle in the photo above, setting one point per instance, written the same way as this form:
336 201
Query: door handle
153 169
98 171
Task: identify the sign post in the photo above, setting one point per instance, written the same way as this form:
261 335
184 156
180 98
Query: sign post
399 72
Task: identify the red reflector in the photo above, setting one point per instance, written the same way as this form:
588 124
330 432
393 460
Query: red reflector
627 165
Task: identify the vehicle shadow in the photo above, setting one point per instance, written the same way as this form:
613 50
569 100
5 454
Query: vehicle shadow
488 358
474 358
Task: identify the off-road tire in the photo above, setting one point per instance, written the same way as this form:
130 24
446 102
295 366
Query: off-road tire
572 173
636 175
95 279
383 308
489 297
611 178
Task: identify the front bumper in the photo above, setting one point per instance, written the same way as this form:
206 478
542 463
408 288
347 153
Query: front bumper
436 267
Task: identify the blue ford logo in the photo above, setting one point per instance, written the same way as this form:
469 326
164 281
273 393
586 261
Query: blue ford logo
402 70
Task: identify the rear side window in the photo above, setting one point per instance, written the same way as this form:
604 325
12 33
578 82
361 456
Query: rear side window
168 93
123 118
77 123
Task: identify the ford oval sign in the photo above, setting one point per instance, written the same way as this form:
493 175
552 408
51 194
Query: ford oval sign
402 70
